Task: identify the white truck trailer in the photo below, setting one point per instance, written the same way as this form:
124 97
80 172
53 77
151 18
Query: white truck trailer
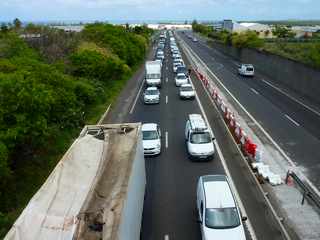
153 73
95 192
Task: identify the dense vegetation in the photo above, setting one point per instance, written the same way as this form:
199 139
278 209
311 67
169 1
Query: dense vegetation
45 100
307 52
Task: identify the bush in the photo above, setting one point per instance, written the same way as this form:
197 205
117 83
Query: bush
248 39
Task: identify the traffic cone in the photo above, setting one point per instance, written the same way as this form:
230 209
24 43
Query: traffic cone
290 181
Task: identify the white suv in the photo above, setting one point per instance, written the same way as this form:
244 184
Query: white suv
151 139
218 213
246 70
199 138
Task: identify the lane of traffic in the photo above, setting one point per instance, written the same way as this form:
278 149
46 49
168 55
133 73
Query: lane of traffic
298 143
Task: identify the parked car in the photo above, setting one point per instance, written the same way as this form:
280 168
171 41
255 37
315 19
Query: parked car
186 91
246 70
181 79
151 95
199 138
151 139
218 213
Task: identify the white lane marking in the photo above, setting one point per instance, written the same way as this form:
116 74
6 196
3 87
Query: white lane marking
166 99
294 122
166 143
166 67
292 98
166 237
257 124
166 79
255 91
104 115
135 101
225 167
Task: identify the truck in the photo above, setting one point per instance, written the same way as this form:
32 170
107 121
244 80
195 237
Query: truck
153 73
95 192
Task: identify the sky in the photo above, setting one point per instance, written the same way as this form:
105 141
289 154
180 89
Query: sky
157 10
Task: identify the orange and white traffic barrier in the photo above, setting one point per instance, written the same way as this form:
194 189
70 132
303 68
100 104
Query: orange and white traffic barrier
232 123
219 100
227 115
237 132
243 138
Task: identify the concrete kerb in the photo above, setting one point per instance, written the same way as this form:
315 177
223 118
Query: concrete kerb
216 103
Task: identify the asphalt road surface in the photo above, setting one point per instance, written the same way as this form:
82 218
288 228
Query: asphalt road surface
170 200
289 120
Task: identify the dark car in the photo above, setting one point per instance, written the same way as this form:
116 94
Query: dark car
182 69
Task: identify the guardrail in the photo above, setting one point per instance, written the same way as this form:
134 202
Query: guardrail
204 76
307 192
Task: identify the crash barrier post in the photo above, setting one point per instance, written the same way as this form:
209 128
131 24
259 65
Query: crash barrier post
307 191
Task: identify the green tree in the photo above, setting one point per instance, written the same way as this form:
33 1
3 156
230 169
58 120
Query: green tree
248 39
282 32
4 28
17 23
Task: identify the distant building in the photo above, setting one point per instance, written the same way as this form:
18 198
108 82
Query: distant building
227 24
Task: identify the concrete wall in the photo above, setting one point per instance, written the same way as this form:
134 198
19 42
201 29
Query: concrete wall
130 224
297 77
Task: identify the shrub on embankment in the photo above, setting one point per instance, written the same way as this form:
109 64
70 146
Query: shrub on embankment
44 101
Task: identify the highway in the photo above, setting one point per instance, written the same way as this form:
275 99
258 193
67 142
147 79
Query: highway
291 122
169 209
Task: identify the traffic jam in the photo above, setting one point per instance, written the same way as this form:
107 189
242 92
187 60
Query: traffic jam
218 214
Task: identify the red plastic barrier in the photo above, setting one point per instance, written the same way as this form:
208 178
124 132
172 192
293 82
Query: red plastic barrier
250 147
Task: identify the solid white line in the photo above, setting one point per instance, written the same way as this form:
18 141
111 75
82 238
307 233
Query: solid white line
225 167
166 237
292 98
104 115
166 140
138 95
294 122
255 91
166 99
257 124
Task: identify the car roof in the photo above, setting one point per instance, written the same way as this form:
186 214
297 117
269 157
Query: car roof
217 192
181 74
149 126
247 65
152 88
186 85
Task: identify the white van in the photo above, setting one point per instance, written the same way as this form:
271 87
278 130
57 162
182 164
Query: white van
218 213
246 70
199 138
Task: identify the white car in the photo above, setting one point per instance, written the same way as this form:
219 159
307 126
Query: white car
218 213
176 64
181 79
160 54
151 139
151 95
246 70
186 91
195 40
199 139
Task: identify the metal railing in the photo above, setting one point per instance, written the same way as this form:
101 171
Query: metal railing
307 192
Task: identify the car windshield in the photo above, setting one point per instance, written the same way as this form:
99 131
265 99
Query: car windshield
149 135
186 89
182 70
222 218
201 137
181 77
152 92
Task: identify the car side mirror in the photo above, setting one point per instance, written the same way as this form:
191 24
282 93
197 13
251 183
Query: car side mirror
244 218
213 138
